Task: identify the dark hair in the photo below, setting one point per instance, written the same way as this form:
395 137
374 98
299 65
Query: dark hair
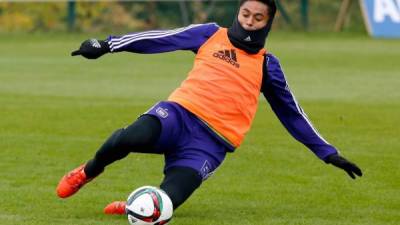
270 3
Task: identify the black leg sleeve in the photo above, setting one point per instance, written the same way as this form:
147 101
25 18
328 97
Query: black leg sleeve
138 137
179 183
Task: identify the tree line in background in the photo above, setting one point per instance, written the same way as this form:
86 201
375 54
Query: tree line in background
125 16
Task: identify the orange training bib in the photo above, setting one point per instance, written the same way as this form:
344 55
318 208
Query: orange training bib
223 87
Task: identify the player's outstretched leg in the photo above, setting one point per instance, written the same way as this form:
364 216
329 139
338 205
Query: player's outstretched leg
179 183
138 137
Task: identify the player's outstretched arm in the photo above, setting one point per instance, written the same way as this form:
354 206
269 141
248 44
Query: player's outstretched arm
292 116
157 41
92 49
148 42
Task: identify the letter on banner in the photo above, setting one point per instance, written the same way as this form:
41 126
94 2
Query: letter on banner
387 8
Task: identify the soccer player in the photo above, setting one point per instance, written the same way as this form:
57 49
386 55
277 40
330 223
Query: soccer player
212 110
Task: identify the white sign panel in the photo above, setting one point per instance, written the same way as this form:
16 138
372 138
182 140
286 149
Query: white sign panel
382 17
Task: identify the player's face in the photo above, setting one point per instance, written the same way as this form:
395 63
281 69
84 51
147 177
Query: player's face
253 15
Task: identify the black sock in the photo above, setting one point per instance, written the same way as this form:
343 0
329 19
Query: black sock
179 183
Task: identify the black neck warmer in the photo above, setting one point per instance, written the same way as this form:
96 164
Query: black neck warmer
250 41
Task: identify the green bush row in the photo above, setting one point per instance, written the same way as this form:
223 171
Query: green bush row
123 16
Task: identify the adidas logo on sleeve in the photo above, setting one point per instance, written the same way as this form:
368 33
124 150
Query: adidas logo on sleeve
228 56
95 43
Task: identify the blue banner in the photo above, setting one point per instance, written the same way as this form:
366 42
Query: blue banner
382 17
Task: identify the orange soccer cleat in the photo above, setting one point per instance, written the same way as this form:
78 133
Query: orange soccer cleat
72 182
117 208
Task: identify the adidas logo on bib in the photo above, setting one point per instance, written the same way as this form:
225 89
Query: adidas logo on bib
228 56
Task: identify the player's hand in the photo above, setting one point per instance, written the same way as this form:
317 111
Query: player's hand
92 49
342 163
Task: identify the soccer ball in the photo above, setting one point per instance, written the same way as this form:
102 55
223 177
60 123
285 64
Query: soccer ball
149 206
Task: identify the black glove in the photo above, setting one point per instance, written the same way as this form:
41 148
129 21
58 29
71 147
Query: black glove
92 49
344 164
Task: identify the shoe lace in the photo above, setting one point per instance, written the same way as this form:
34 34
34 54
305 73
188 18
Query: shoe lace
120 207
76 178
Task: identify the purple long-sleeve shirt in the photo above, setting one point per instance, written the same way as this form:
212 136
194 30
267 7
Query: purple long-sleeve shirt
274 86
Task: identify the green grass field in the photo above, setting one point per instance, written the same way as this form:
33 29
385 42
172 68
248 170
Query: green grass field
56 110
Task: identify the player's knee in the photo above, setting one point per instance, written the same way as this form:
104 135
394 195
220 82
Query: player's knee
109 146
144 132
116 139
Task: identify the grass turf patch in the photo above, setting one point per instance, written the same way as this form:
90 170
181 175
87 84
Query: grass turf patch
56 110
